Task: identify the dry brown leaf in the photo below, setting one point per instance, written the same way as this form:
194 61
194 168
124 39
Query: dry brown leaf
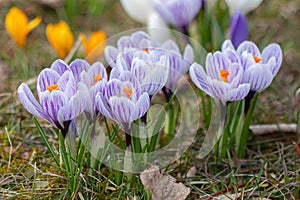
163 187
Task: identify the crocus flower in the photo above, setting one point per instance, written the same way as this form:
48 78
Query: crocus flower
16 24
94 46
127 46
244 6
61 100
95 78
144 12
121 100
238 28
179 13
141 56
60 37
222 80
150 68
260 68
179 64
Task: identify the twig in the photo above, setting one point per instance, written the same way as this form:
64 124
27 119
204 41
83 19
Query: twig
73 50
264 129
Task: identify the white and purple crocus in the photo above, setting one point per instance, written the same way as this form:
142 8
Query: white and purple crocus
260 67
142 57
123 101
178 13
179 64
61 97
222 80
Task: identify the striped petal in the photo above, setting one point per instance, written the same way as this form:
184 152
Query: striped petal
258 76
273 51
239 93
199 77
30 103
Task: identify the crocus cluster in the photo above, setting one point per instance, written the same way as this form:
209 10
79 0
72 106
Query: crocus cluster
232 73
155 66
140 69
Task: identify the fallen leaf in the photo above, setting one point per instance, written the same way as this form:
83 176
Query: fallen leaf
163 187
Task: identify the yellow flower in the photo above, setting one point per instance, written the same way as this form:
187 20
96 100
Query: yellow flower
16 24
94 46
60 37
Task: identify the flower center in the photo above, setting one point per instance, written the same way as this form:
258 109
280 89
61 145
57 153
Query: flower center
97 78
257 59
128 92
146 50
224 75
52 87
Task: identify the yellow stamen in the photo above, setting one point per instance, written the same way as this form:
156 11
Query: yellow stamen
128 92
224 75
257 59
50 88
97 78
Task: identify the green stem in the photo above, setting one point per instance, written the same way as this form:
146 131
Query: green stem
215 130
245 129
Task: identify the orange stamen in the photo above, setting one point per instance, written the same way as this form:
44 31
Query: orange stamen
97 78
128 92
224 75
146 50
257 59
52 87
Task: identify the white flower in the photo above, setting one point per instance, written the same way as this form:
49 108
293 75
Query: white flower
143 11
244 6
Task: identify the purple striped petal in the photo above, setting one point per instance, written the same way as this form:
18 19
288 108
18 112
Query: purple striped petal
235 76
122 110
77 66
98 68
199 77
231 55
59 66
75 106
215 63
258 76
102 106
179 13
52 102
227 44
239 93
128 76
219 89
125 42
188 58
67 84
111 54
46 78
139 36
155 80
113 88
273 51
30 103
248 47
141 107
170 45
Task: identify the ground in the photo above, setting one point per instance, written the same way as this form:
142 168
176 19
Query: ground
271 170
